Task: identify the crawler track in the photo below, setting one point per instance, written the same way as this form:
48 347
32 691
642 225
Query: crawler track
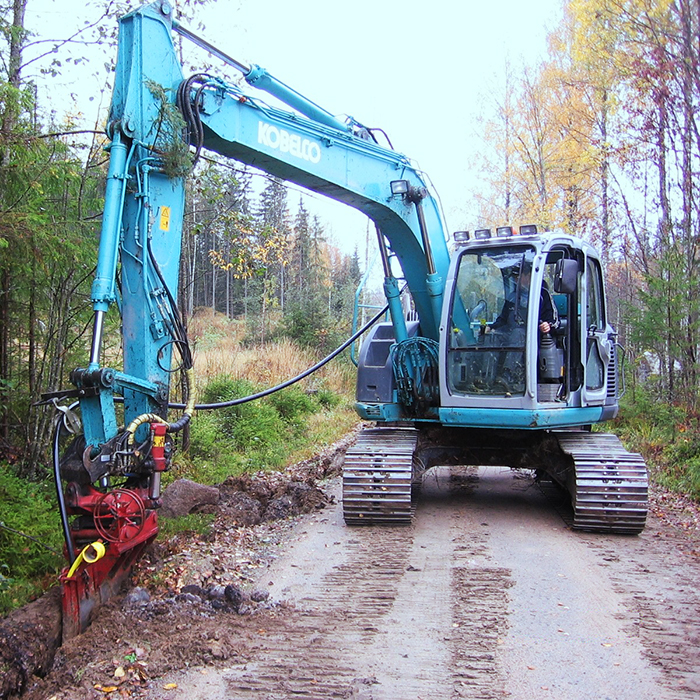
609 484
377 477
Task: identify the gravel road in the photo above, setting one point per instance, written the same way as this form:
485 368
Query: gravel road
489 594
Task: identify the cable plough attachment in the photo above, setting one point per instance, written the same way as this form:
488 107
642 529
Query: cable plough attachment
109 476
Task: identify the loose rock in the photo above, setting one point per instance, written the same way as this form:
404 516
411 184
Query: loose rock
258 595
183 497
234 596
135 597
194 589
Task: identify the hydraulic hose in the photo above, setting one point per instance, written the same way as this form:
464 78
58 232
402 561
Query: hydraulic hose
294 380
155 418
59 492
183 347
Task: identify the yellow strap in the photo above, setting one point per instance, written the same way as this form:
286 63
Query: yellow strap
90 554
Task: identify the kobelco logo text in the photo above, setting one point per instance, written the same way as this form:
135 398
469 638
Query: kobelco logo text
273 137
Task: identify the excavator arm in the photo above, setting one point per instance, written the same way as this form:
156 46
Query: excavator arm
308 147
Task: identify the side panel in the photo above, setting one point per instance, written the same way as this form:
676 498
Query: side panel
375 373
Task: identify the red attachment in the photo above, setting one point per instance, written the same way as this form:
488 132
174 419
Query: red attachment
94 584
125 521
119 515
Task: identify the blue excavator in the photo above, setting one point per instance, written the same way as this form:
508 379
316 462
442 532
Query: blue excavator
505 356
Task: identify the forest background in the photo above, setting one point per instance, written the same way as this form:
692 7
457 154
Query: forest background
599 139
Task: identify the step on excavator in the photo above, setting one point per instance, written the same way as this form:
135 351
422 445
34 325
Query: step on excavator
507 357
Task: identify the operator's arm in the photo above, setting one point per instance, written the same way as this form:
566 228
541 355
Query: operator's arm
549 317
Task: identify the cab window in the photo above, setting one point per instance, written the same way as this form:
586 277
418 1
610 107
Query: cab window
488 332
595 316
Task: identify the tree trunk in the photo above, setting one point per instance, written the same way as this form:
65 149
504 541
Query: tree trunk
688 356
5 292
604 180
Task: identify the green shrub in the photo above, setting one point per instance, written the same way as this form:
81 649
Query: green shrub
206 439
256 426
328 399
293 403
28 508
251 436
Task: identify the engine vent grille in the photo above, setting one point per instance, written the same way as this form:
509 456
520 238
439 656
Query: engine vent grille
612 374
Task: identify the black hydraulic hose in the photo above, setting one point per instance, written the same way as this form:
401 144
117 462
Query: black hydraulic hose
59 492
190 110
180 334
288 382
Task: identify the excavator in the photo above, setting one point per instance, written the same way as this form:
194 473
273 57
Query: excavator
467 377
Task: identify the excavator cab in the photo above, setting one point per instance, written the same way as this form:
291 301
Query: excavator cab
495 355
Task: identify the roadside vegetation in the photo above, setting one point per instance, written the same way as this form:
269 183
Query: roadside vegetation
268 433
668 435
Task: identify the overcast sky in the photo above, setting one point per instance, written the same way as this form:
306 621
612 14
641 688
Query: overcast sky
417 69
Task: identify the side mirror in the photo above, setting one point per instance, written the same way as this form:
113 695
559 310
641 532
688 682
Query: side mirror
565 276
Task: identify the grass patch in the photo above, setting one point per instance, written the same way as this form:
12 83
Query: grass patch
668 436
195 524
265 434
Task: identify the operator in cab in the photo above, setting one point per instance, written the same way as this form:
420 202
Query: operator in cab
514 310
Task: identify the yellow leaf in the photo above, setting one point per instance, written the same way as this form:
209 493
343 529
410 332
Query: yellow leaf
170 686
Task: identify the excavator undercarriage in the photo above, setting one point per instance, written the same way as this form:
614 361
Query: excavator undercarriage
607 484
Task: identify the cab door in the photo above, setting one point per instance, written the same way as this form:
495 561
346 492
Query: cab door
596 341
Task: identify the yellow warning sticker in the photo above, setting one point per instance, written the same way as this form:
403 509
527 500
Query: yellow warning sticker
165 218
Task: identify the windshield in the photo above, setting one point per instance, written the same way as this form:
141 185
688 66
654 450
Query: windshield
488 323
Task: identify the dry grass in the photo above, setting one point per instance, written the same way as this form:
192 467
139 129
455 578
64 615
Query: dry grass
218 352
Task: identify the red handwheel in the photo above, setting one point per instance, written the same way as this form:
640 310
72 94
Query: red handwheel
119 515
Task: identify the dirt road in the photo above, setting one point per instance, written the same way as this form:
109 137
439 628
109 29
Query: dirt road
488 595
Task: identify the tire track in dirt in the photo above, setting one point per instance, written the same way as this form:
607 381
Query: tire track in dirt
658 580
657 575
310 653
478 589
479 601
